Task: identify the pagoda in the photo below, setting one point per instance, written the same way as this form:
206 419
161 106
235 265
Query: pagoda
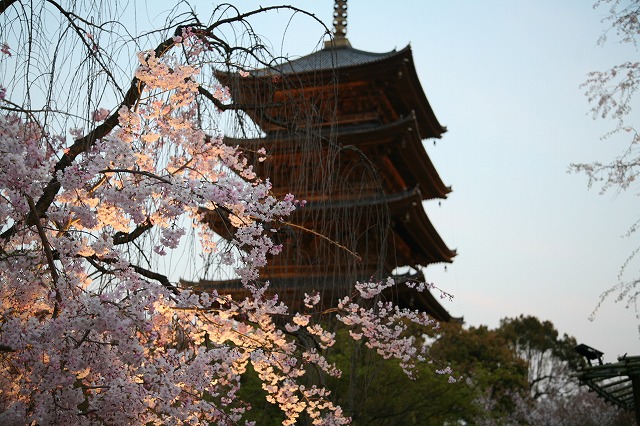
343 130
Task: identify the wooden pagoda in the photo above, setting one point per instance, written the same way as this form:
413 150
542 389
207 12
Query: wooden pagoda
343 129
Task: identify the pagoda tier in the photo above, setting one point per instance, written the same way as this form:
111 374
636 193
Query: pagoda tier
412 240
342 86
395 148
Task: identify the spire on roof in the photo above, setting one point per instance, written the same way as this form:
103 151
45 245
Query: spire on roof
340 19
339 26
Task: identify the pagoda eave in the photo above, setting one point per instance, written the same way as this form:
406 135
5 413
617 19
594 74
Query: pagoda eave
396 146
289 288
413 238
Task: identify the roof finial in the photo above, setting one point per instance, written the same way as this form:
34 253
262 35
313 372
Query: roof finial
339 25
340 19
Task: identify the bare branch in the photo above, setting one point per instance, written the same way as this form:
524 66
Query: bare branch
246 107
162 279
123 238
49 255
137 172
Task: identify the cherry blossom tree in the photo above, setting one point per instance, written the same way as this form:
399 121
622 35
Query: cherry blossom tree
611 94
111 149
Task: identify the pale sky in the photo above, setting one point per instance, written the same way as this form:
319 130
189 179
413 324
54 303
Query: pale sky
504 77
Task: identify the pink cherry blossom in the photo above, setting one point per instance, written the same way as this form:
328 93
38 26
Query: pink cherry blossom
100 114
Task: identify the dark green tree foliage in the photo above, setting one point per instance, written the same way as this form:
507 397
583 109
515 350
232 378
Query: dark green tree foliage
262 412
490 366
375 391
378 393
549 357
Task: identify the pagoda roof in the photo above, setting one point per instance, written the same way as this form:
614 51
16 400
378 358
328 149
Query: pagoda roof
328 58
343 69
397 145
415 238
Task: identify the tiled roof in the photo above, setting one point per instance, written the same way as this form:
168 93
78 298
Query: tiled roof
328 58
